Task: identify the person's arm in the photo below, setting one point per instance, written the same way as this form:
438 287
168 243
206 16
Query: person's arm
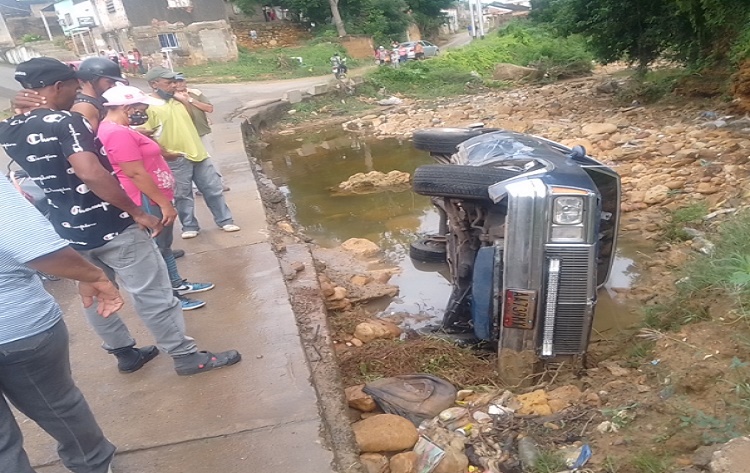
89 112
80 148
67 263
145 183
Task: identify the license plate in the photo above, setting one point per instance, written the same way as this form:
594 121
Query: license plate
519 309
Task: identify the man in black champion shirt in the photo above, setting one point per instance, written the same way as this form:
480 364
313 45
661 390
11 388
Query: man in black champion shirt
90 210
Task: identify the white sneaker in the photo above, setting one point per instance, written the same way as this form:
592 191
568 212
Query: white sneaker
190 234
228 228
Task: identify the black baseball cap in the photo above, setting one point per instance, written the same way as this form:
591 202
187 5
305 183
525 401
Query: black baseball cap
42 72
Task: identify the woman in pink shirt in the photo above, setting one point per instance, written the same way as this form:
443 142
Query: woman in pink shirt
144 174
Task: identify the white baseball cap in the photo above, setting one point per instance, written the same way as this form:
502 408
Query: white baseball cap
128 95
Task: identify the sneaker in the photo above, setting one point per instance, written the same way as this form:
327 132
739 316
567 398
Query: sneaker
192 287
190 304
203 361
178 253
189 234
230 228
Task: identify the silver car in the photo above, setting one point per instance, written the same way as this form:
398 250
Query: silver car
430 50
528 229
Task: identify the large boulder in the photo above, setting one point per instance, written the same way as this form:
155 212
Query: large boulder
511 72
374 463
376 329
404 463
360 247
385 433
733 457
598 128
374 181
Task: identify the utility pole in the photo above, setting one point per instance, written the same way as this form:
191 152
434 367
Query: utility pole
480 18
46 25
473 30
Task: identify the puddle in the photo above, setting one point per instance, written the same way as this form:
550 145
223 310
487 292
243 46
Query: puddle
306 166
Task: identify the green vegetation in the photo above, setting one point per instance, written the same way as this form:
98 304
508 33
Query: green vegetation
549 462
723 275
695 32
466 69
673 228
30 38
647 462
329 106
279 63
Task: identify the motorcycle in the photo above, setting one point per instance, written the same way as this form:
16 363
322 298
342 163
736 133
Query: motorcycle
339 69
528 228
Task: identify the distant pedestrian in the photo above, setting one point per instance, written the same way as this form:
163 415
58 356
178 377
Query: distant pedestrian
138 60
394 58
266 9
418 51
403 53
112 55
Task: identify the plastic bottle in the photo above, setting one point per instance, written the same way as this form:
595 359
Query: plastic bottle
528 453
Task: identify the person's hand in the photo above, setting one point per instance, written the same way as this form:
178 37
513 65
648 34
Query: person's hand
145 132
182 97
105 293
150 222
26 100
169 214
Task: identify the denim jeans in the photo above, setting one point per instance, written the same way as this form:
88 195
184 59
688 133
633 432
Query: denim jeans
134 258
208 182
35 377
164 241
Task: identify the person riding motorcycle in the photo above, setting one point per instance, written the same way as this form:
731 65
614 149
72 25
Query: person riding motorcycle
338 64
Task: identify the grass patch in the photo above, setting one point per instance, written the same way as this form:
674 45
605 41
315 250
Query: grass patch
647 462
720 277
385 358
652 86
549 462
464 70
329 106
278 63
673 228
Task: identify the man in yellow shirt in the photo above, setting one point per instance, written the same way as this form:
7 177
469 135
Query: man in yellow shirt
174 130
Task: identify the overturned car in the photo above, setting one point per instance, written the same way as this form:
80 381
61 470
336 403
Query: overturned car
528 229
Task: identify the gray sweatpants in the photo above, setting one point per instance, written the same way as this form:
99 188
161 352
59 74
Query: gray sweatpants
133 257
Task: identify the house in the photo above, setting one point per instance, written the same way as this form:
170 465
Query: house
189 32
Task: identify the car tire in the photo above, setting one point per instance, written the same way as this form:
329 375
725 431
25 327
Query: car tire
445 140
458 182
428 250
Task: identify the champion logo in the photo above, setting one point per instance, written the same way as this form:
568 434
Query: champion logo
43 178
110 236
47 157
61 190
124 215
36 138
88 125
77 210
83 189
81 227
79 243
53 118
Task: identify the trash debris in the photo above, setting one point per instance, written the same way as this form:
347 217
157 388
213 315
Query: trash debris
578 461
428 455
417 397
528 453
390 101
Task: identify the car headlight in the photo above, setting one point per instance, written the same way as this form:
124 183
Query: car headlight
568 210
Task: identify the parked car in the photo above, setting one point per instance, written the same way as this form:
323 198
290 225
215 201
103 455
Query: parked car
430 50
528 229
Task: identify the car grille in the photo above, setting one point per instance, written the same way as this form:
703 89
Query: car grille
572 322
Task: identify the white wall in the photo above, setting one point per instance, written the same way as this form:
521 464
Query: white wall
112 21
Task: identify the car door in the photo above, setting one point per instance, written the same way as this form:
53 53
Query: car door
429 49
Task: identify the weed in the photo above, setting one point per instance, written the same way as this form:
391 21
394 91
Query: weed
647 462
712 429
610 465
621 416
549 462
640 352
673 226
652 87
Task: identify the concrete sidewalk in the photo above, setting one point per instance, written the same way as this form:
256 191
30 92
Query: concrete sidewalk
259 415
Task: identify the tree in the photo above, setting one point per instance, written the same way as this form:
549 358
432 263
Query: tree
337 18
428 14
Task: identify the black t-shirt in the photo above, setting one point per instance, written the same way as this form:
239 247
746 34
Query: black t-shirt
41 141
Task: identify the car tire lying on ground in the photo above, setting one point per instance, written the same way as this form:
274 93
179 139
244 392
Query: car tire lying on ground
445 140
458 182
428 250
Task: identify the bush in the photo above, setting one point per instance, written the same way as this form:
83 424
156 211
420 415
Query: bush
519 43
30 38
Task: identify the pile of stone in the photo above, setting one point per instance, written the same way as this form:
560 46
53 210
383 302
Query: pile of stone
375 181
482 431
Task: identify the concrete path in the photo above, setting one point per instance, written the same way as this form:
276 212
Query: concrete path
259 415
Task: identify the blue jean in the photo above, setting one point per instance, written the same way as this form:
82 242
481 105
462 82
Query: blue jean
164 241
35 377
208 182
134 258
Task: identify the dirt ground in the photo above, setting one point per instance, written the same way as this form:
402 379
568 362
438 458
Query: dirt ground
663 394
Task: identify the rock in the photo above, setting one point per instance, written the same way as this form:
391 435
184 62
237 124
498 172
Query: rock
359 280
327 289
374 462
505 71
702 456
374 180
598 128
706 188
563 397
614 368
656 194
356 342
667 149
357 399
361 247
385 433
675 184
534 403
733 457
375 329
298 266
339 294
404 463
455 460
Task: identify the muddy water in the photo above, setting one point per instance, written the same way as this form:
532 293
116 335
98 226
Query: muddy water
307 166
